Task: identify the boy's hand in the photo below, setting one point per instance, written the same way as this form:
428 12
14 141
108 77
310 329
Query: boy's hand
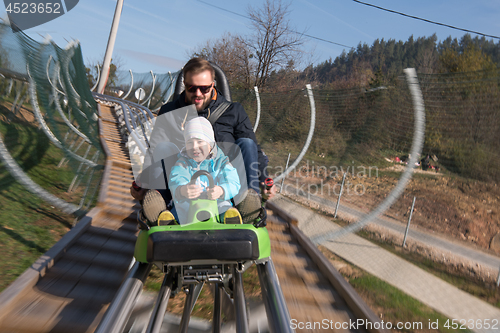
215 192
191 191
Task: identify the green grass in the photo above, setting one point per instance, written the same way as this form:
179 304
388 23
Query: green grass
391 304
430 176
487 291
154 280
399 307
28 225
28 228
390 174
360 160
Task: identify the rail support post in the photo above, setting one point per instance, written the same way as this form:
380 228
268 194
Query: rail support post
160 307
278 316
216 322
409 220
286 167
239 302
340 194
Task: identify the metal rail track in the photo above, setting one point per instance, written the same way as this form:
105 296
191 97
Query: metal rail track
319 299
71 286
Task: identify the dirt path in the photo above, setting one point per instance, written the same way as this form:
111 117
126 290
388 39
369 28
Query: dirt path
465 210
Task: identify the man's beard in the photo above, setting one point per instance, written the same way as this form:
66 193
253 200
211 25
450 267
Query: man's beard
203 106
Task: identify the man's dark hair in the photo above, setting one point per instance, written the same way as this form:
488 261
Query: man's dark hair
196 66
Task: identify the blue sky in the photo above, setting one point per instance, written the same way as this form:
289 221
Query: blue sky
158 35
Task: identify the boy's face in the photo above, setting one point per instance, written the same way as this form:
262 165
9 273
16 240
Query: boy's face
197 149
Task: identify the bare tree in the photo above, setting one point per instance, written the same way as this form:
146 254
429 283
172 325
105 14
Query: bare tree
93 73
274 42
232 55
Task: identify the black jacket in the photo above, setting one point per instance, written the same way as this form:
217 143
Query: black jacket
233 124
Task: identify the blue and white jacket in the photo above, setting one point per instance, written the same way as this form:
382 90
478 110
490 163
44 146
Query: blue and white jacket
222 171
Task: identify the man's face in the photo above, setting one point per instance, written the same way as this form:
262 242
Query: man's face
197 92
197 149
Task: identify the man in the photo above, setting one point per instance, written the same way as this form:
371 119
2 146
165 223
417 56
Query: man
233 126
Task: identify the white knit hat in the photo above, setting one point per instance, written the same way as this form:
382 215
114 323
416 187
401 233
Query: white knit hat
199 128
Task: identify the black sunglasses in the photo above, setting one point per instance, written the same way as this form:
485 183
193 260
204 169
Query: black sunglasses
203 89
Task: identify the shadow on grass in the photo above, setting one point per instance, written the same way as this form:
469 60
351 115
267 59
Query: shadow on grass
14 235
26 143
52 216
34 207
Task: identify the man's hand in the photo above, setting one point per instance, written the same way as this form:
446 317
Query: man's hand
191 191
215 192
268 194
138 194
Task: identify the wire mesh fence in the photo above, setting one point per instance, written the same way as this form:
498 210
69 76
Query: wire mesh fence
157 88
351 124
45 92
367 134
463 127
462 123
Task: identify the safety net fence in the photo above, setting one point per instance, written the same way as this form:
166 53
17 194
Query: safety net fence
366 134
51 160
150 90
48 112
373 125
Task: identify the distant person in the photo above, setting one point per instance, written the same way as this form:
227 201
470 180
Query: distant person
425 162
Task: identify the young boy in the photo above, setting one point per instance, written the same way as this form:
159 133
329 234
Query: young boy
200 153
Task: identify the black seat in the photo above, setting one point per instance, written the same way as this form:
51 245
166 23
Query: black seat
220 83
182 246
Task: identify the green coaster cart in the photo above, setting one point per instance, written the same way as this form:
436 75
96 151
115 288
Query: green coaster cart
204 251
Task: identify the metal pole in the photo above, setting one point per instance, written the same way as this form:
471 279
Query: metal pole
216 322
416 148
160 307
286 167
192 296
340 194
109 49
278 316
309 136
18 173
186 314
257 96
239 303
498 278
409 220
196 294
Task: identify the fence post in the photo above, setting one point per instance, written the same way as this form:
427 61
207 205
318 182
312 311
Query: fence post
409 220
286 167
498 278
257 96
340 194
